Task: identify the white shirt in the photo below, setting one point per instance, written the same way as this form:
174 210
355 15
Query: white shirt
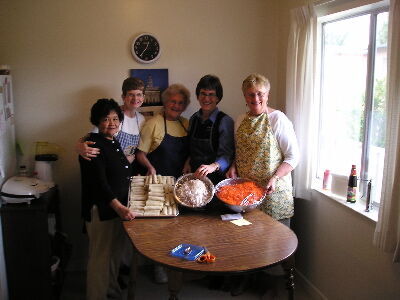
284 133
129 125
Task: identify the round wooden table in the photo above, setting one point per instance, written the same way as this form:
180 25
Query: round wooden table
264 243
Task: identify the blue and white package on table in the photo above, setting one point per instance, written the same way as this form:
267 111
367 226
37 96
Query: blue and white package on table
187 251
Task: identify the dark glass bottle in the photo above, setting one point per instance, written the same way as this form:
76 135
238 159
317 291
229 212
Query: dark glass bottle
352 185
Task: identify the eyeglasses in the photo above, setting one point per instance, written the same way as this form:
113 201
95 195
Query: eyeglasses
132 95
204 95
258 94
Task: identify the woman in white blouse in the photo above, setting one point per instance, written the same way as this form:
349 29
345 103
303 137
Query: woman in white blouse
266 149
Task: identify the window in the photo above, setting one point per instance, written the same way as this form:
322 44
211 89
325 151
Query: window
352 98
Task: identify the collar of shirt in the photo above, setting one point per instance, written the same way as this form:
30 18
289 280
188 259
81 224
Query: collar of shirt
212 117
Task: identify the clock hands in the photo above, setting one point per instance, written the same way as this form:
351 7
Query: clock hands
147 45
145 48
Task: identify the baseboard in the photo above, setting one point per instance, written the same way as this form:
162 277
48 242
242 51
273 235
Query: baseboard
309 288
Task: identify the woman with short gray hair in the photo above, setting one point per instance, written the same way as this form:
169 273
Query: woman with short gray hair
163 147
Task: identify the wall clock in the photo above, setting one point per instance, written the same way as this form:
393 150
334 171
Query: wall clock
146 48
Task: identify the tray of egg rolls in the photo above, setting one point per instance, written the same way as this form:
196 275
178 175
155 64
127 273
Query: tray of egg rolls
152 196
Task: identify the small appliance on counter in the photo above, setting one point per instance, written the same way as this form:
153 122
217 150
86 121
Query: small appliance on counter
18 189
46 153
43 168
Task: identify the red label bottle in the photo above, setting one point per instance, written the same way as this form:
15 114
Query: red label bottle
352 185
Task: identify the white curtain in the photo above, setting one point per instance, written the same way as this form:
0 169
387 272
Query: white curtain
387 232
299 90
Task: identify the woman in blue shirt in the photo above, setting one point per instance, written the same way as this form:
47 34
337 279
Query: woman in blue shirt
211 133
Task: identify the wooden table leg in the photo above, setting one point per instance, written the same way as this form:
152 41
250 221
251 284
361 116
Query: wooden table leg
288 266
133 275
175 279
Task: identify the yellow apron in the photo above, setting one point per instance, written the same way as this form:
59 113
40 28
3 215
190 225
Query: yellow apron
258 156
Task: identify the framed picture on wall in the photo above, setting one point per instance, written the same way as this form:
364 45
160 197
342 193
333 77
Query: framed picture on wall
156 81
150 111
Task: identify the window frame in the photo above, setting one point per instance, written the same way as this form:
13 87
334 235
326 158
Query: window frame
369 88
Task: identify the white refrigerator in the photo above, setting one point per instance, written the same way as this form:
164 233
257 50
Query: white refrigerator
7 131
7 157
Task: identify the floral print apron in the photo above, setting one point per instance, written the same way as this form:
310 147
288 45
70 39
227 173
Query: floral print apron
258 156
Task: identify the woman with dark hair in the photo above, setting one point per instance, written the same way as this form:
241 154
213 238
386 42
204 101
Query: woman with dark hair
129 132
105 183
210 133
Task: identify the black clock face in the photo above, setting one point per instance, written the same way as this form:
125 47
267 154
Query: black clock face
146 48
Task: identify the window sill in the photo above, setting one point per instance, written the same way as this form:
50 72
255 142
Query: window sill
358 207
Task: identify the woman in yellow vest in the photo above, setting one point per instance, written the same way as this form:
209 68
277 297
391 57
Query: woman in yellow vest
266 149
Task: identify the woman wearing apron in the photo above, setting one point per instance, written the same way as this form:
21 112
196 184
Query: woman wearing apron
163 148
266 152
210 133
266 149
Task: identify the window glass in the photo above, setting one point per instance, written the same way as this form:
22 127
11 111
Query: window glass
353 89
344 69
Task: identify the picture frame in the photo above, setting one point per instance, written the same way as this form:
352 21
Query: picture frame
150 111
156 81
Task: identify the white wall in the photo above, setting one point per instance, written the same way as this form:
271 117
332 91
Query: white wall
66 54
336 253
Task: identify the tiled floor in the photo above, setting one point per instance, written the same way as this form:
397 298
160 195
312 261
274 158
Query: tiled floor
74 288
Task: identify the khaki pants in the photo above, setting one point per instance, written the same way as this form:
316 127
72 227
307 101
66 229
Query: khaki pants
106 239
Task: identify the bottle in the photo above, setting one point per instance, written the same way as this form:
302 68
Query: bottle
368 203
327 181
352 186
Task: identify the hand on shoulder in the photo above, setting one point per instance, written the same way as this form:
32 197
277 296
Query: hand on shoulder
84 149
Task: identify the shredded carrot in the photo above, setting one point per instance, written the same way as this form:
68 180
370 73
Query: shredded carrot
234 194
206 258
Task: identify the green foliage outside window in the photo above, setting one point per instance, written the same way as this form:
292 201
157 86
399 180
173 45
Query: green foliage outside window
378 114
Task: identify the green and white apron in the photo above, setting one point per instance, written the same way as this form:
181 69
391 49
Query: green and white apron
258 156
